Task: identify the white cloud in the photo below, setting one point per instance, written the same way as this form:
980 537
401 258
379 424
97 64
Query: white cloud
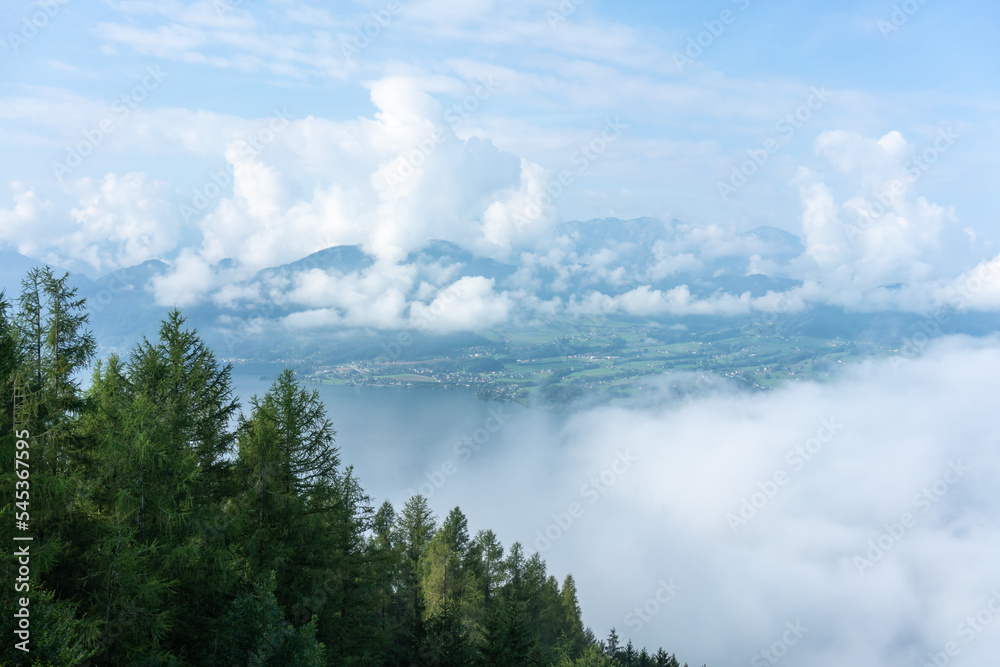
192 278
885 233
878 437
976 289
373 298
19 224
120 222
390 183
467 304
114 222
667 264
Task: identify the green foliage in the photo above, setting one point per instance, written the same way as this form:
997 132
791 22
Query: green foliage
507 639
255 633
446 642
165 537
58 636
592 657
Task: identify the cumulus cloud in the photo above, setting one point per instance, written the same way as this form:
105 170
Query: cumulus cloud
390 183
976 289
114 222
120 222
373 298
882 232
191 279
468 304
25 215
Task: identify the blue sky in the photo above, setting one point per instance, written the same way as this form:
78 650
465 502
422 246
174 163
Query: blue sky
894 75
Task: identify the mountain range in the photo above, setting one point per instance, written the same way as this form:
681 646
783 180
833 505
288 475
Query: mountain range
601 261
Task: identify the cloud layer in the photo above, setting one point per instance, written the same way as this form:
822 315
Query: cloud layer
386 126
862 510
390 182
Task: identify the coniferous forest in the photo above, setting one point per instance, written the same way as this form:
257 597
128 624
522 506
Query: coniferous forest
171 525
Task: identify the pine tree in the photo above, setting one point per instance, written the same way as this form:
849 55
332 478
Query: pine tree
613 647
304 518
55 345
142 493
189 396
69 348
629 656
444 577
256 632
571 621
385 558
159 428
663 659
415 527
446 641
514 569
507 639
488 565
342 569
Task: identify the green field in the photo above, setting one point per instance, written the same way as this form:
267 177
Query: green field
557 362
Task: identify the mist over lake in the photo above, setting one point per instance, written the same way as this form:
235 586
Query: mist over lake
722 521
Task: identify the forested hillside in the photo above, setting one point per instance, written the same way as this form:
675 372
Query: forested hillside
170 525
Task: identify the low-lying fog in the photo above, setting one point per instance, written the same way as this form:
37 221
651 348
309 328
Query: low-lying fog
854 522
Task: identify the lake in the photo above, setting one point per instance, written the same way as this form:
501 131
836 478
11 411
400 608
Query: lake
405 441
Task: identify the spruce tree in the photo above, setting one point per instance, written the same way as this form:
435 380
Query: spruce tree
571 622
489 566
415 526
305 519
159 428
444 577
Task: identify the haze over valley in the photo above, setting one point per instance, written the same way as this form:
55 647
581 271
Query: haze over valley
465 333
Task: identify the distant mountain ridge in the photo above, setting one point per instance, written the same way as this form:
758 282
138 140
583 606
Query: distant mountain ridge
122 304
